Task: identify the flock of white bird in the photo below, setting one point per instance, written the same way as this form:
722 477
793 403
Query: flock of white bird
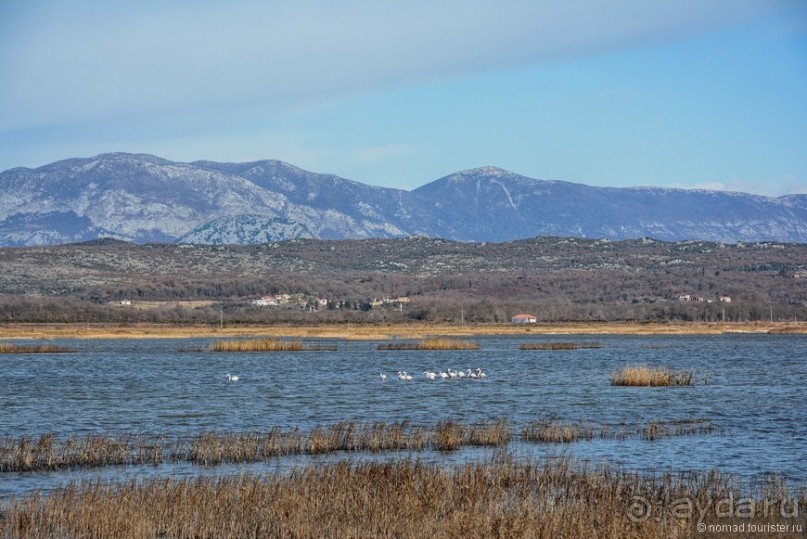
441 375
430 375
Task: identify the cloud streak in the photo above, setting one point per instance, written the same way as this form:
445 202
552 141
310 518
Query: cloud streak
66 63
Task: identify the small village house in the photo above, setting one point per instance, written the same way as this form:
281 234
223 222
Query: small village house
524 319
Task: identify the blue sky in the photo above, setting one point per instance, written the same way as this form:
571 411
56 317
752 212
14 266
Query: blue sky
671 93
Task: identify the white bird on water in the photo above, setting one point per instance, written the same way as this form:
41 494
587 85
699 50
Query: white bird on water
232 377
382 376
480 374
430 375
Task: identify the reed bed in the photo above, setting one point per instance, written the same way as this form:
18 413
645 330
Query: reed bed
685 427
432 344
258 345
564 432
643 376
6 348
407 498
558 345
26 454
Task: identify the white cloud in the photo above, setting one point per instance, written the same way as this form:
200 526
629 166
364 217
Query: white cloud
67 62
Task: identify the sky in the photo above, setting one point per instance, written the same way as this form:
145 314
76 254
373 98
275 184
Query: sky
670 93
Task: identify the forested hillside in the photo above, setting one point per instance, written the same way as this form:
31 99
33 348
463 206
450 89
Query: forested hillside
558 279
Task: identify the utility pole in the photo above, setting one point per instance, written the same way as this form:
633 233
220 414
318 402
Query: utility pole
221 316
462 317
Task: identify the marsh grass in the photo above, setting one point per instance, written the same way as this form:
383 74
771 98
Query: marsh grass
563 432
686 427
558 345
6 348
25 454
505 497
432 344
258 345
643 376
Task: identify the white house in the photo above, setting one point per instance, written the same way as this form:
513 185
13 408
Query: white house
524 319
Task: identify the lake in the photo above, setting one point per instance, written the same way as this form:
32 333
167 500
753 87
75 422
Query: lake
754 395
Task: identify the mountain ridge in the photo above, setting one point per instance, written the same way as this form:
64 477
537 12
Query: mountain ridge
145 198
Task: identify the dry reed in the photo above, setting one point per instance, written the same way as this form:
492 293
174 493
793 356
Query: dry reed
558 345
47 453
257 345
432 344
686 427
406 498
26 454
642 375
6 348
564 432
561 432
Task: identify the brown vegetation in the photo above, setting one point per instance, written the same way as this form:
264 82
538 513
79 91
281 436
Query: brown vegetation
257 345
406 498
642 375
26 454
432 344
561 279
561 432
33 349
564 432
558 345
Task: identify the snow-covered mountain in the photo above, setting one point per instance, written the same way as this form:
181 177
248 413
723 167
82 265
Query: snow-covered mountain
485 203
143 198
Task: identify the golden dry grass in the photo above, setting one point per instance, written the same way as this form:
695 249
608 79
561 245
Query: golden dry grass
382 331
25 454
406 498
558 345
564 432
432 344
561 432
642 376
6 348
257 345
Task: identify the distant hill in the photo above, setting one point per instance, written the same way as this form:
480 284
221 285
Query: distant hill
245 230
143 198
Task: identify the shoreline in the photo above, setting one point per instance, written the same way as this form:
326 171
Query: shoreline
354 331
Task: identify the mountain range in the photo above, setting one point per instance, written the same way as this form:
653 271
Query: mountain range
143 198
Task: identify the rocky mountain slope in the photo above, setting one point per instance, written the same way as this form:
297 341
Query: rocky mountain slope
143 198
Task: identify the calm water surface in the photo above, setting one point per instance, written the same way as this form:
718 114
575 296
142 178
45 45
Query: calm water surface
756 394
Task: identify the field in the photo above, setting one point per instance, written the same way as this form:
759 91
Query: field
366 331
